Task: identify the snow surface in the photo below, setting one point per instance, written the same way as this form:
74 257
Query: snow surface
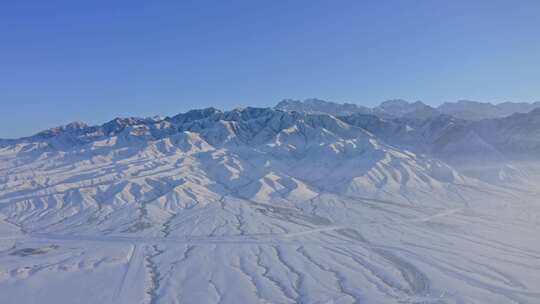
266 206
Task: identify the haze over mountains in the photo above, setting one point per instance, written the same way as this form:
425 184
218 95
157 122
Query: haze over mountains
307 202
464 109
469 135
453 132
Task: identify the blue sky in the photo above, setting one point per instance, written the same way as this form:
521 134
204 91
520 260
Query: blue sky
91 61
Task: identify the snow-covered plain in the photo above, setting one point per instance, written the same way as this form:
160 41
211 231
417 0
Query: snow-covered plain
259 206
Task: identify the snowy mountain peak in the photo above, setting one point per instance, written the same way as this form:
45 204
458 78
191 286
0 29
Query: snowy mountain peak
193 115
318 106
70 127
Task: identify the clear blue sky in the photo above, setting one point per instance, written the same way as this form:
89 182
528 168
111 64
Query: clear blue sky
91 61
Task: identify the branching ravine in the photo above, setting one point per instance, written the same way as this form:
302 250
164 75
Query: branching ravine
241 222
217 227
154 275
185 255
164 277
374 277
241 268
299 276
274 281
340 279
216 290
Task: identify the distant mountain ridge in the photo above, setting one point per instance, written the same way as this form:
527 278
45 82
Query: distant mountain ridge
463 109
319 106
413 127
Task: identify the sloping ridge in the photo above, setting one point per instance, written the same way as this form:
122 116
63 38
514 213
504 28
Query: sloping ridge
133 175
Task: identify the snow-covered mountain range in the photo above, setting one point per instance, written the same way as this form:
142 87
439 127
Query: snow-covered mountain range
463 109
308 202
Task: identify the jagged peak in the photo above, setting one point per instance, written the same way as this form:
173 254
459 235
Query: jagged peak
319 106
394 102
195 114
70 127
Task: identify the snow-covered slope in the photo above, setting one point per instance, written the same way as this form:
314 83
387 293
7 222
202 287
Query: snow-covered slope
262 154
498 150
257 205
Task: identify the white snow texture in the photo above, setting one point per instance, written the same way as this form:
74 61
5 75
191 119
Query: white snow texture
273 206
